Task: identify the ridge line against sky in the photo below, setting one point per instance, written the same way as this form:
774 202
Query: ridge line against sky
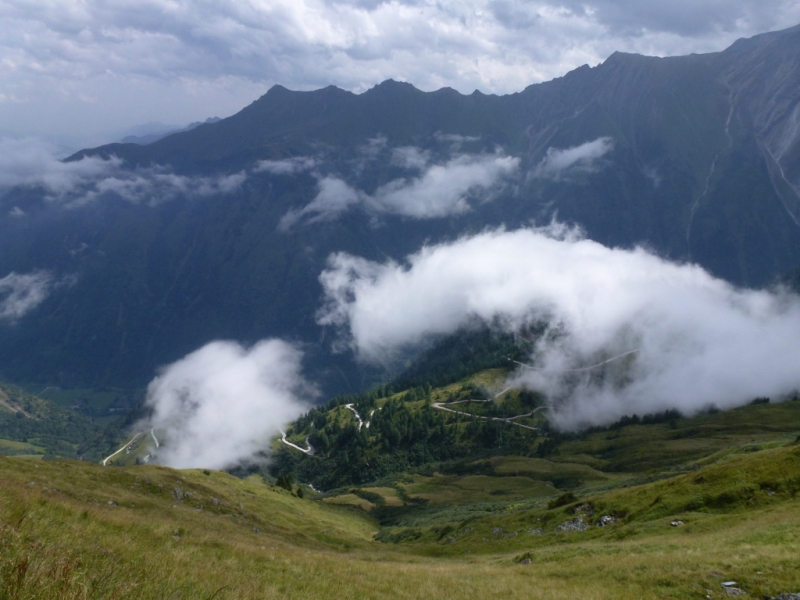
83 73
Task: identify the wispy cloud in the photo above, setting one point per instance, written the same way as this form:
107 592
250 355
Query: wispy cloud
410 157
558 163
288 166
221 405
698 340
438 191
32 163
21 293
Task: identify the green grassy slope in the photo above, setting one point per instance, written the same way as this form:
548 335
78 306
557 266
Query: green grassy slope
76 530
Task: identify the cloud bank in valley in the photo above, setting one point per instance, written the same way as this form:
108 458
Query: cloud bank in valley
220 406
33 163
438 190
698 340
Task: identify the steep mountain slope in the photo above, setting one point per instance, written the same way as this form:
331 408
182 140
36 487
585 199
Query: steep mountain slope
697 157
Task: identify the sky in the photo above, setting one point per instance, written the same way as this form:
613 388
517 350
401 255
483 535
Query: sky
84 72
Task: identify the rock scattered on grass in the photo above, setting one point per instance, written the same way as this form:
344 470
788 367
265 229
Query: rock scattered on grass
606 520
574 525
677 523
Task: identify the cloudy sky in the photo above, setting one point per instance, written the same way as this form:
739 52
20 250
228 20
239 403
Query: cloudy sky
79 71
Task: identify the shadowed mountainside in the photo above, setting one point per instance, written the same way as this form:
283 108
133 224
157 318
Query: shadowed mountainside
702 164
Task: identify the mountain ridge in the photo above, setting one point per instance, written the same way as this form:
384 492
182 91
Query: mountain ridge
700 163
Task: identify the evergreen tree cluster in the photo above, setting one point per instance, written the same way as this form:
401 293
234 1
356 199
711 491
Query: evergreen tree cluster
405 432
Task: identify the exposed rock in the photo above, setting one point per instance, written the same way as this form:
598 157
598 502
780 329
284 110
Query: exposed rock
112 503
177 493
497 531
574 525
677 523
606 520
215 502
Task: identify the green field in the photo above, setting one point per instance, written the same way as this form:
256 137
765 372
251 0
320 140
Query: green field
77 530
654 507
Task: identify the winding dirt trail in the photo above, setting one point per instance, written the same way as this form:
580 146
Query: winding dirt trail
358 416
127 445
443 406
309 450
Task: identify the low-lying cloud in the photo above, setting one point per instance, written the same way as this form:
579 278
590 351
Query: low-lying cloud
32 163
221 405
585 157
693 340
438 191
287 166
21 293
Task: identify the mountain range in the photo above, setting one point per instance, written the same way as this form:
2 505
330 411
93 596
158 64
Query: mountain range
222 230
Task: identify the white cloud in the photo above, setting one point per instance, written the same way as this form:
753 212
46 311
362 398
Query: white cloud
21 293
288 166
444 189
700 341
221 405
578 158
32 163
157 59
439 191
410 157
334 197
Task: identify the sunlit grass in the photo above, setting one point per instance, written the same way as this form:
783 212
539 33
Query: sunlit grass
61 538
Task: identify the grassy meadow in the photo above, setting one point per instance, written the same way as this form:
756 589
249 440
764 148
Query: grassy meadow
671 508
79 530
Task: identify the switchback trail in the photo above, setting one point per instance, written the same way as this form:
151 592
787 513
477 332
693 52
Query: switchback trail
309 451
358 416
441 406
